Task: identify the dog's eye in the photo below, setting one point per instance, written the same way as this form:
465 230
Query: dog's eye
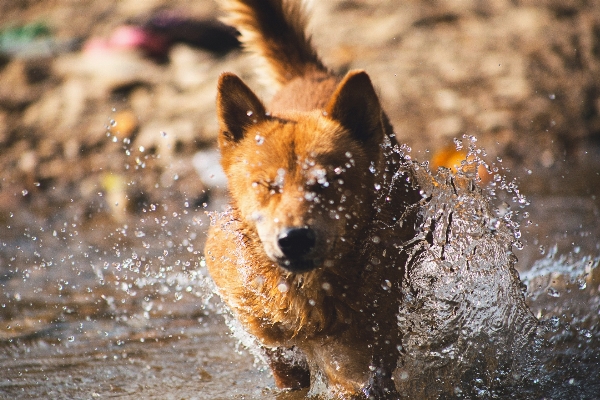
271 187
261 184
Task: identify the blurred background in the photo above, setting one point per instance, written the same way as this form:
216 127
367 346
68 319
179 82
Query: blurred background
92 90
108 164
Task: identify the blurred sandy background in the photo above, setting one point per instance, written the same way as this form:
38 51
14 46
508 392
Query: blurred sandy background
117 97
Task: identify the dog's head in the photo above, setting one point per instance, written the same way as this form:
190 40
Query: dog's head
304 180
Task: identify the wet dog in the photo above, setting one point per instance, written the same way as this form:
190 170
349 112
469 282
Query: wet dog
312 253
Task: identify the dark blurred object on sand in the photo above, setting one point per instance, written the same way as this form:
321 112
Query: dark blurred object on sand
209 33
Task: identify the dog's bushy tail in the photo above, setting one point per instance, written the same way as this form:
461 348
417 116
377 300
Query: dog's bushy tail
275 30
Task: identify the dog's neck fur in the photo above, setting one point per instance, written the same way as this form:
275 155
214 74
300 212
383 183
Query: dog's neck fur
305 93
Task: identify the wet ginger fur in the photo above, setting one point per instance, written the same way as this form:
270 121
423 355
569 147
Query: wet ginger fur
308 257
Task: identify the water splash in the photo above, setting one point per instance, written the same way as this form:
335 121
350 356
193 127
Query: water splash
468 329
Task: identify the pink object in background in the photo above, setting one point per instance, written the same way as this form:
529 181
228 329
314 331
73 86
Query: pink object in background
129 38
135 37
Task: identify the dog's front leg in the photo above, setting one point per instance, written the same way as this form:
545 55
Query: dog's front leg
289 367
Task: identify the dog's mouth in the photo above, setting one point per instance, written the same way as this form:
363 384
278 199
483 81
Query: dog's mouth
299 265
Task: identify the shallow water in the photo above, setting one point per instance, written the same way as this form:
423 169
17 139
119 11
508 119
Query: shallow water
92 307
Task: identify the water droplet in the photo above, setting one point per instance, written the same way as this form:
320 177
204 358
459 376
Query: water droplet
283 287
249 113
25 192
458 143
494 224
552 96
310 196
553 292
71 338
386 285
259 139
503 209
542 250
586 333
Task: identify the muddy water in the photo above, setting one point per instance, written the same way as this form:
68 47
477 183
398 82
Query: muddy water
94 309
91 307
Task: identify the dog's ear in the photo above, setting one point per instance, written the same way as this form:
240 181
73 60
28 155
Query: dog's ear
355 105
237 108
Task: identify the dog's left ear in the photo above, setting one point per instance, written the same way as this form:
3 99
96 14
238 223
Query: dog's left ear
237 108
356 106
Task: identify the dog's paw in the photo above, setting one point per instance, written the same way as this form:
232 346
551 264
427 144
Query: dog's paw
289 368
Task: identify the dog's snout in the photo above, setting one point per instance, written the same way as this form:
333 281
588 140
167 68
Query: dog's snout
296 243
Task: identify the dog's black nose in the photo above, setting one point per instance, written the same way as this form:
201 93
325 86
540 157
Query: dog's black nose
295 243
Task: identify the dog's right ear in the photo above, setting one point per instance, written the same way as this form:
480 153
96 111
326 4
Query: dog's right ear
237 108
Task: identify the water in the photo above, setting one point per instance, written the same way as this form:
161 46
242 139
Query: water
95 307
468 329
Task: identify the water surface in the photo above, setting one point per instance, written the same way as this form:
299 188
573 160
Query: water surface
92 307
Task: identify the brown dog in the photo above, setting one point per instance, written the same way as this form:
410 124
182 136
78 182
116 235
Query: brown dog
324 207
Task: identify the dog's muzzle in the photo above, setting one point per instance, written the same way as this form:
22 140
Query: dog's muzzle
297 245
